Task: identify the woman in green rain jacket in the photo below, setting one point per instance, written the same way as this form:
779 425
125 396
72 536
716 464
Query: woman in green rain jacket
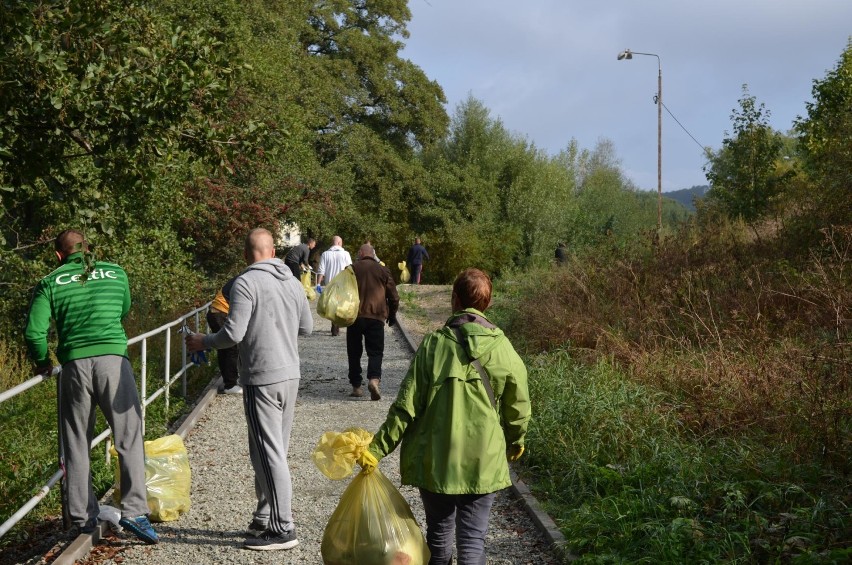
456 443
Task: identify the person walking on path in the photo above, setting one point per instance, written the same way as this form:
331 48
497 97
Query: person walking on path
298 258
332 261
229 357
461 414
268 310
88 301
379 302
416 255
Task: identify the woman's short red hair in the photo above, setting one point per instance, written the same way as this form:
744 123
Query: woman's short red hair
472 287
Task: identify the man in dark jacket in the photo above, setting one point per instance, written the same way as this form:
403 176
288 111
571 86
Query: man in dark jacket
379 302
298 257
416 255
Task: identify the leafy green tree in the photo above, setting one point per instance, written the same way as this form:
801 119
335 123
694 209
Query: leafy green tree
743 174
354 47
825 141
106 109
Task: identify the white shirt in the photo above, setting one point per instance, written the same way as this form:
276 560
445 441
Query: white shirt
332 261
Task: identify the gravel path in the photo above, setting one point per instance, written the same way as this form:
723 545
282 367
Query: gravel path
223 486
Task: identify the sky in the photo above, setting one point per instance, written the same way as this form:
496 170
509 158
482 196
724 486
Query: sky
548 69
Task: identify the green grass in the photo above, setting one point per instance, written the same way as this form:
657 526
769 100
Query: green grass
627 484
410 306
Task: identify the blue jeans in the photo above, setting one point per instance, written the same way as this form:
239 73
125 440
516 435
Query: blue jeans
463 516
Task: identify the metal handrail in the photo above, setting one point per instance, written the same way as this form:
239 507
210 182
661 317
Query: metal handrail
145 400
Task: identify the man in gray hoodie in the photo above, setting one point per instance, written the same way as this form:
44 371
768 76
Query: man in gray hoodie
268 310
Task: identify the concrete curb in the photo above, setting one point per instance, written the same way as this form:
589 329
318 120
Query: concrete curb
540 518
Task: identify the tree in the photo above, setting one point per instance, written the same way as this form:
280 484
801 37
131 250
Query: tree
743 175
825 142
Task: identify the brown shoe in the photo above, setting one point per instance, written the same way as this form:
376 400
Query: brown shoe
373 387
356 392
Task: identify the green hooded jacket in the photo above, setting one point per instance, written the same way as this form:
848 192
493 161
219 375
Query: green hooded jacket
453 440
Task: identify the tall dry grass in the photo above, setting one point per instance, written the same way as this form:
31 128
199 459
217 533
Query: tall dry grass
753 340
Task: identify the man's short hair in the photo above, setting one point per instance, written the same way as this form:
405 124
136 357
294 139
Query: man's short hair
366 250
70 241
417 240
472 287
311 240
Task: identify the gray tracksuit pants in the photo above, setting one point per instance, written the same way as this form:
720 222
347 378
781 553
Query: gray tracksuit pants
269 413
107 382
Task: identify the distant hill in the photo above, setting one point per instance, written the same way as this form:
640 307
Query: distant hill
686 195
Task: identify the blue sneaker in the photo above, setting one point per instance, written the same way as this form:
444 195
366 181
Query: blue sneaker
141 527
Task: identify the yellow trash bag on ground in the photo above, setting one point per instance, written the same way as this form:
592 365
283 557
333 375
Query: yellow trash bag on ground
167 478
306 283
338 301
405 275
372 524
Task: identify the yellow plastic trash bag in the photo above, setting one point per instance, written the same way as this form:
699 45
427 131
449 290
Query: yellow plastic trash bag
339 300
372 524
167 478
306 283
335 454
405 275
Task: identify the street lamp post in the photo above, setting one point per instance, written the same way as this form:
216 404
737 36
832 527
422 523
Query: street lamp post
628 54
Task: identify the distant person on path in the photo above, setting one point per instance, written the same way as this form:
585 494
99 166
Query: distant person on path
88 300
228 358
416 255
268 310
379 302
459 423
332 261
298 258
561 254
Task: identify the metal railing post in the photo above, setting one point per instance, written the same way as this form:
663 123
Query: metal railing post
183 364
144 381
167 371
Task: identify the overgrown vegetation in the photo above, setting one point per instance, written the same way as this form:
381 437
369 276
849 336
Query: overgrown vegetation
693 393
709 389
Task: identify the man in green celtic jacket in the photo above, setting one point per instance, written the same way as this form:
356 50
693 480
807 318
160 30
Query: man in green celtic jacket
457 437
88 300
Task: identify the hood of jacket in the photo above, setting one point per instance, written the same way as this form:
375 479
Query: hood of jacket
479 334
274 267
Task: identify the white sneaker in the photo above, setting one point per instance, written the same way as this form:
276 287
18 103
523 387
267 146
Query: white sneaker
236 389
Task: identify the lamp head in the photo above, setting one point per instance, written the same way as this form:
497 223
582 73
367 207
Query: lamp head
626 54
